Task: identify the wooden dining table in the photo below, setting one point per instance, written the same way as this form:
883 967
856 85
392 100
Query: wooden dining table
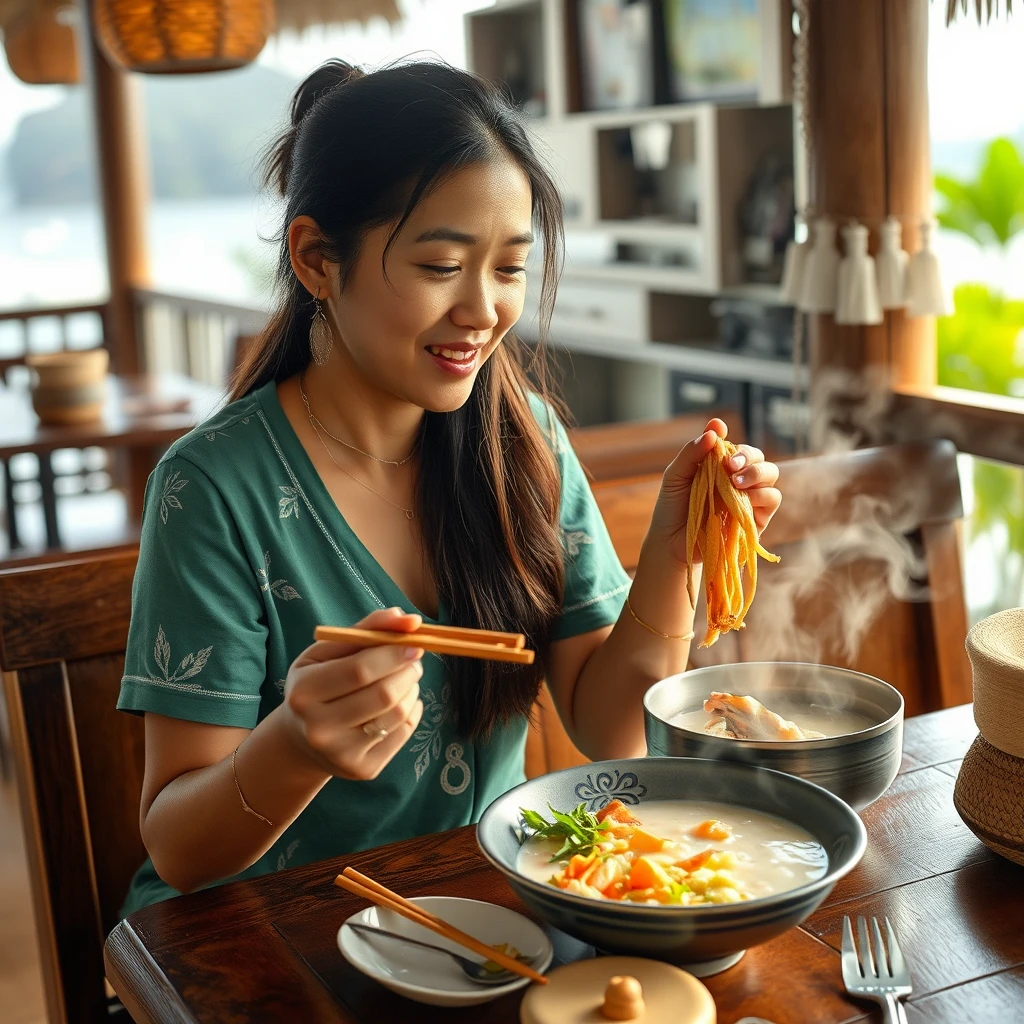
266 949
142 415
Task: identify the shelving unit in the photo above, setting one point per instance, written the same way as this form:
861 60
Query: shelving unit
508 45
701 360
652 197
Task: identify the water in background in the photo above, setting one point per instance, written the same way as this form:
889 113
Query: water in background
211 248
207 248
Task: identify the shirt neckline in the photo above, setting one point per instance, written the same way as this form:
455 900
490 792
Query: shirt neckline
316 492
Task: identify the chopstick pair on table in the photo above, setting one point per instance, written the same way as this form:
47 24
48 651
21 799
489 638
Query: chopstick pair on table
362 885
486 644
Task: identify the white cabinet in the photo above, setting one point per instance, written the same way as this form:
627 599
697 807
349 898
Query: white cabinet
567 147
652 196
673 221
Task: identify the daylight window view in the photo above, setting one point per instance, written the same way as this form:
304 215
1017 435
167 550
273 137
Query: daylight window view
977 129
210 225
511 511
204 135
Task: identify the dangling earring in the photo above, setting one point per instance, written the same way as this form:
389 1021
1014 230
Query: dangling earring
321 341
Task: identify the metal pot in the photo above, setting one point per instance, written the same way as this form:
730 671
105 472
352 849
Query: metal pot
856 766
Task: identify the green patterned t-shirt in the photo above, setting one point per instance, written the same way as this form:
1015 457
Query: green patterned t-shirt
243 553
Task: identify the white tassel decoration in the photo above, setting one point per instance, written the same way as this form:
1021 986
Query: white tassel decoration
857 286
924 291
794 267
891 263
818 287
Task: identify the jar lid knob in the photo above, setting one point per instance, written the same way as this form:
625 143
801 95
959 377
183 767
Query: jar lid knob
623 998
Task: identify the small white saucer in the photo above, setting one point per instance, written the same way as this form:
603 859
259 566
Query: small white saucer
432 977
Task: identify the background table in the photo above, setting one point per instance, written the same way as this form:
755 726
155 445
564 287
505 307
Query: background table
142 415
265 950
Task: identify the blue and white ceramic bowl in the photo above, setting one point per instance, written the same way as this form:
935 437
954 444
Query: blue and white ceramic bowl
704 939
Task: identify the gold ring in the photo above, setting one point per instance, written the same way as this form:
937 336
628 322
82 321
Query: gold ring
375 730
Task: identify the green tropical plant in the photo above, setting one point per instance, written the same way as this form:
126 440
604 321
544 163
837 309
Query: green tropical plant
981 346
990 208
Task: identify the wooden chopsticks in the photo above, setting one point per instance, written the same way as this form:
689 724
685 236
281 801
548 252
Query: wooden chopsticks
486 644
483 636
361 885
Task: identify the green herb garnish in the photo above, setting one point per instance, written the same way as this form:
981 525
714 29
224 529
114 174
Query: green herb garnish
676 890
579 830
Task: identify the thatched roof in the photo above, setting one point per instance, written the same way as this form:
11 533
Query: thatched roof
301 14
292 15
990 7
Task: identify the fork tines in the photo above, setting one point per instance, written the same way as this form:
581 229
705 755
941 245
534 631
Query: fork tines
872 964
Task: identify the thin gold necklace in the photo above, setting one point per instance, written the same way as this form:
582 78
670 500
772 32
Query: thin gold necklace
409 513
318 426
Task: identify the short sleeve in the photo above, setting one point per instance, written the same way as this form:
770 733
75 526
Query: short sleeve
197 643
595 582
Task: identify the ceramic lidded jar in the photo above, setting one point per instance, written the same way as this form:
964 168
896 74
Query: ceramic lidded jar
618 988
989 792
69 387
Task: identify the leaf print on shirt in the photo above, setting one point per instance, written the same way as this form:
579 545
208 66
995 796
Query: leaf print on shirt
283 858
211 435
288 505
426 740
574 540
169 499
191 665
281 589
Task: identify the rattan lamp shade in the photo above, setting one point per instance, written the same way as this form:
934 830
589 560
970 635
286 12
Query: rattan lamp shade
177 36
40 44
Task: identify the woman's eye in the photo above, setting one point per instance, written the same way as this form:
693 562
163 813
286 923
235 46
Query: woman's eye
512 271
438 270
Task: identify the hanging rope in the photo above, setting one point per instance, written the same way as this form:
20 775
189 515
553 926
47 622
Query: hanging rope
801 101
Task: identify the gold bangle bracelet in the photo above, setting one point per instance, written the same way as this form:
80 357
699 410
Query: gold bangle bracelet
657 632
245 806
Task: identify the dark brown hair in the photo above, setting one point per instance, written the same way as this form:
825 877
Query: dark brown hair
361 152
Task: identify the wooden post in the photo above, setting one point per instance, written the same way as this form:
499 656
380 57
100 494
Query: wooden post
124 193
868 108
912 354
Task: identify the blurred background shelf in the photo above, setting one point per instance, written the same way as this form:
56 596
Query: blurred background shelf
706 361
677 182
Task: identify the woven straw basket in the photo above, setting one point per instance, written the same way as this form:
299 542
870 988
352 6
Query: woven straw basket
989 793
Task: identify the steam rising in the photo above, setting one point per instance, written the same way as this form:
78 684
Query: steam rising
820 603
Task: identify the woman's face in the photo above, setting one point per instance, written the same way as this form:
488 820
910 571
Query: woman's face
456 284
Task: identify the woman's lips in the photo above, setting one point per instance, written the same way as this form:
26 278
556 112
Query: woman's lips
456 361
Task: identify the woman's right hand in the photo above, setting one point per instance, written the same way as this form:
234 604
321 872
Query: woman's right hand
334 690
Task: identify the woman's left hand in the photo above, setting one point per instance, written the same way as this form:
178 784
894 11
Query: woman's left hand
749 473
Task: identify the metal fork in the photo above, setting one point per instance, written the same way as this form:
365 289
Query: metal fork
875 977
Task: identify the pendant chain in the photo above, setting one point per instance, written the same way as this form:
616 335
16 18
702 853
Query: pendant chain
318 426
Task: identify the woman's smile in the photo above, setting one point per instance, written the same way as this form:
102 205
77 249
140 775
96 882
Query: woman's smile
459 360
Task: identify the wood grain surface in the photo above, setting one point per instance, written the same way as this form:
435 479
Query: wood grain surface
266 949
67 610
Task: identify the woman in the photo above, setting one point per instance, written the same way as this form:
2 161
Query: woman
384 460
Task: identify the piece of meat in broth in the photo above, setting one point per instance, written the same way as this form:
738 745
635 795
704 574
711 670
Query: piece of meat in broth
748 719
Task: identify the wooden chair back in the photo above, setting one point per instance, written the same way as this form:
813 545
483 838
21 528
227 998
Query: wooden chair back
870 577
78 761
129 542
618 450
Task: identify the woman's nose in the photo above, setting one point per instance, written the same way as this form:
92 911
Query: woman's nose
476 308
